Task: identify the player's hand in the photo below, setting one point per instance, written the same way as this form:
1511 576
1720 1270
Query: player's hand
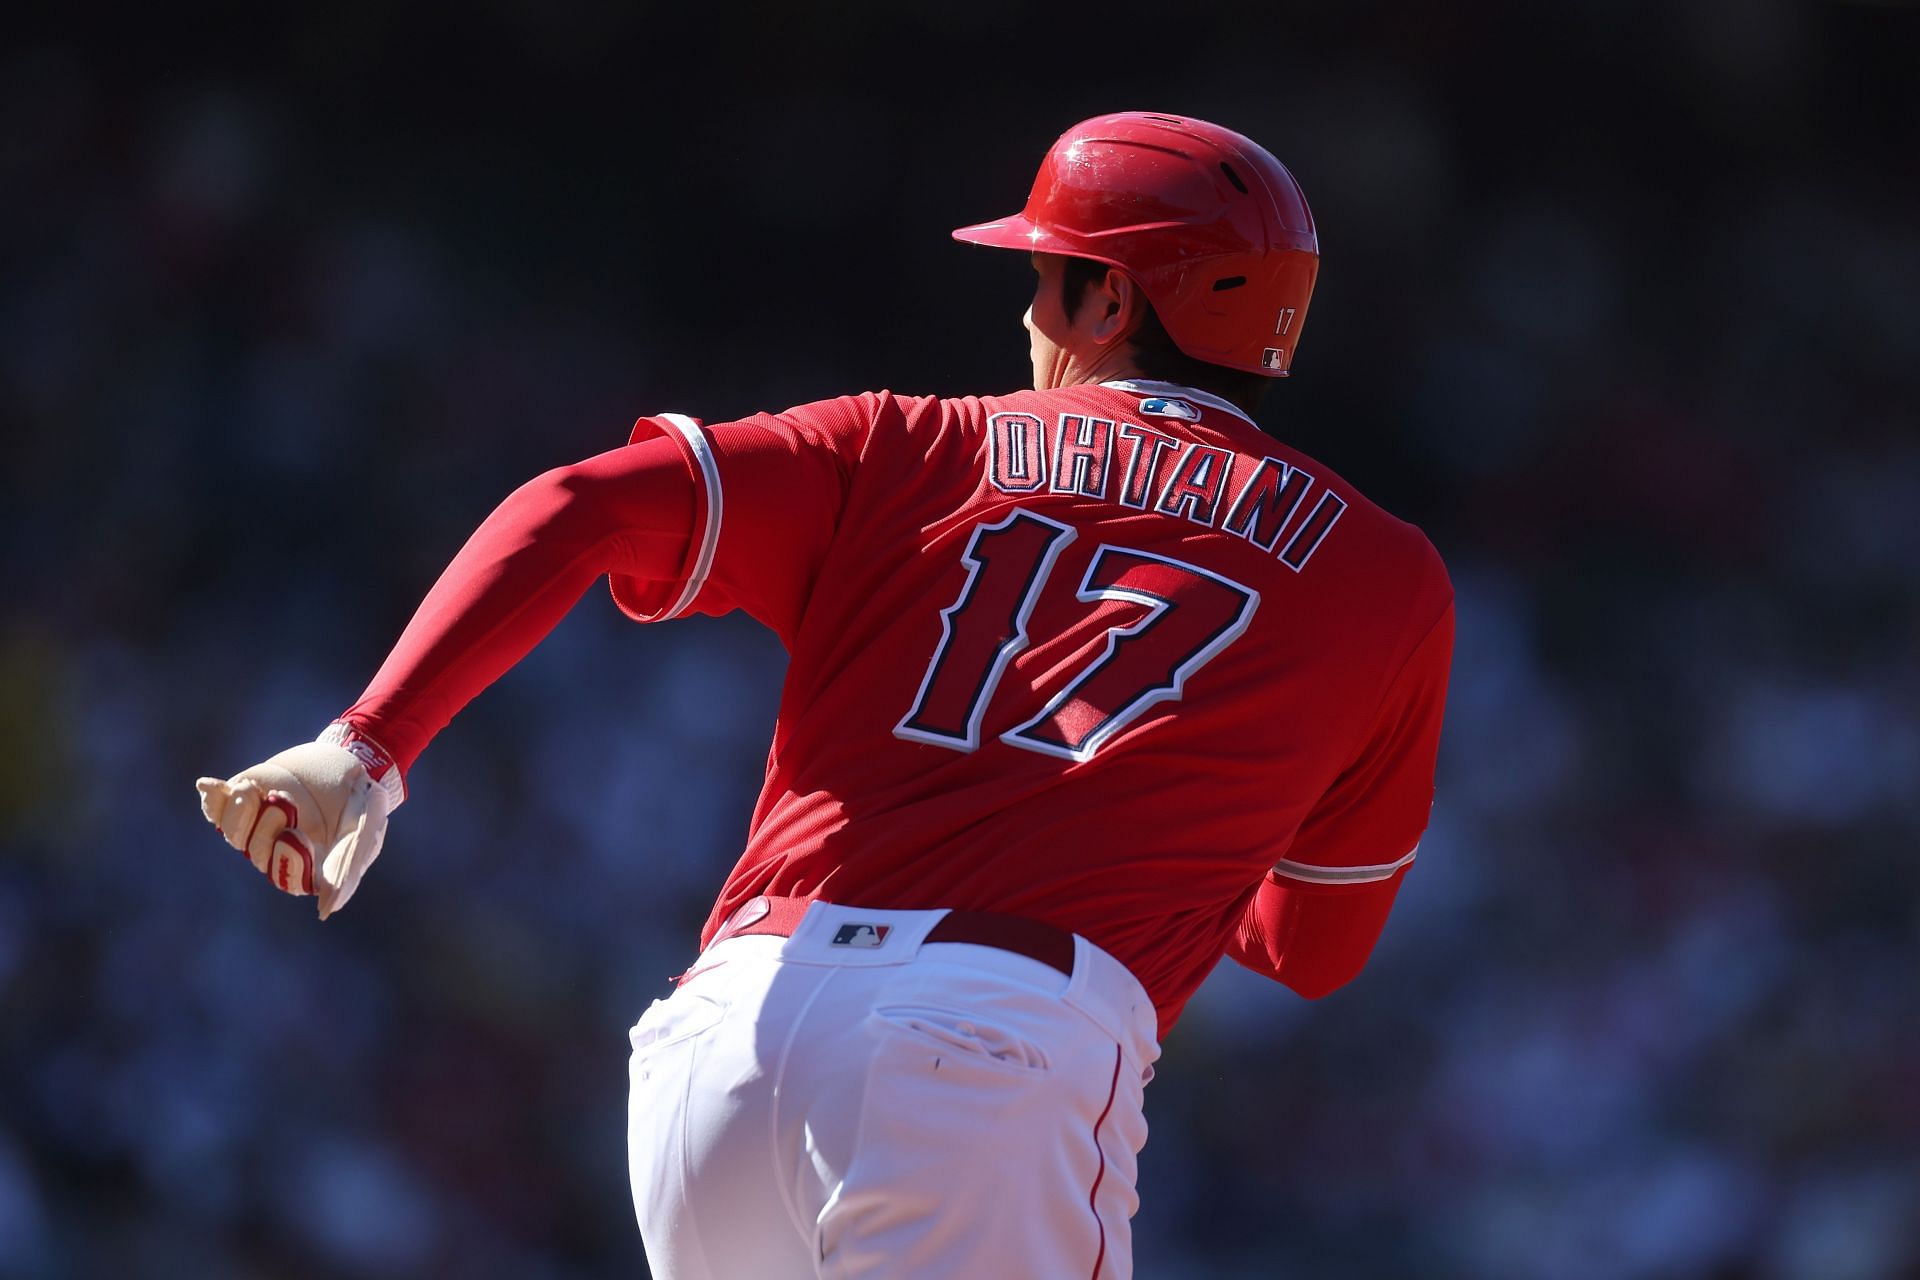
312 819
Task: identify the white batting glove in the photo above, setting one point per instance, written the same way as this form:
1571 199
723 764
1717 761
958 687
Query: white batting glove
312 818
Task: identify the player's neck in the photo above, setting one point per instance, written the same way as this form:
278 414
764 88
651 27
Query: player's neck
1106 364
1116 363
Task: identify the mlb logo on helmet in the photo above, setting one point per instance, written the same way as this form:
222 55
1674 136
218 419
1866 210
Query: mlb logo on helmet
861 935
1271 358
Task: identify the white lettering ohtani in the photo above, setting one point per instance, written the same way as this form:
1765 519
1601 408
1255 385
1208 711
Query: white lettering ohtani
1151 470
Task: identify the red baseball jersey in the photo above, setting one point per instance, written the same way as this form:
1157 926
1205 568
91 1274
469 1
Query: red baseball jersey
1103 656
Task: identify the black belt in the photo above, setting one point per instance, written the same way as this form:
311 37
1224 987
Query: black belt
1053 947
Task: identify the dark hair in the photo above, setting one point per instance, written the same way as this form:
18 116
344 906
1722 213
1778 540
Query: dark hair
1153 351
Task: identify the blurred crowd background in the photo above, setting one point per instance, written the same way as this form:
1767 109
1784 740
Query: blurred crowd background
1618 302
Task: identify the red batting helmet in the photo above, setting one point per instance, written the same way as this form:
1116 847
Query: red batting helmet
1213 229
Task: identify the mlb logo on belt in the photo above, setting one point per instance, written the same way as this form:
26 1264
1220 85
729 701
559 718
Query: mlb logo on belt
861 935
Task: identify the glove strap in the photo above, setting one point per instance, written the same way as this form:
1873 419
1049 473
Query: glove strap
376 759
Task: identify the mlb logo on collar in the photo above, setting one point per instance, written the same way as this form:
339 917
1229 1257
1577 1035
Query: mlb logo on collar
861 935
1168 407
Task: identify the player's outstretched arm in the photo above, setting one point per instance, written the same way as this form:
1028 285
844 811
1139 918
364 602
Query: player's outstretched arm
313 818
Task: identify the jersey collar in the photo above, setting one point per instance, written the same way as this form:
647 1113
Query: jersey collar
1148 387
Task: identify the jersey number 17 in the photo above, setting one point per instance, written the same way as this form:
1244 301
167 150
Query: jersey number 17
1192 615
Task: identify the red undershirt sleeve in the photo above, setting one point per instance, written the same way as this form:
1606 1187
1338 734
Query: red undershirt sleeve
1314 942
629 512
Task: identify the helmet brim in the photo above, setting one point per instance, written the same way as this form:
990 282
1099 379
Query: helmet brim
1016 232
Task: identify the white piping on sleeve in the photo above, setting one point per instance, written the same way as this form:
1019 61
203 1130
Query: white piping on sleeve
710 537
1343 875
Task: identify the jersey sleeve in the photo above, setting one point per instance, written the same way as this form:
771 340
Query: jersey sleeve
1314 919
1367 826
769 493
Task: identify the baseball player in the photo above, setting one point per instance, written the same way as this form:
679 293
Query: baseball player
1090 685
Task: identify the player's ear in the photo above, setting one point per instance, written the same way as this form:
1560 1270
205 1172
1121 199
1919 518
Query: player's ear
1115 301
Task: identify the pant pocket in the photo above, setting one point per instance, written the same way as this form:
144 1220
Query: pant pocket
978 1153
672 1020
967 1035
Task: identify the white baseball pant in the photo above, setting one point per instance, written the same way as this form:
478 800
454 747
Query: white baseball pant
852 1103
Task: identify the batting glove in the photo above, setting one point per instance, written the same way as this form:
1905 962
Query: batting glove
312 818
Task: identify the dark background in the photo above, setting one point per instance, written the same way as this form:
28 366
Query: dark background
1617 302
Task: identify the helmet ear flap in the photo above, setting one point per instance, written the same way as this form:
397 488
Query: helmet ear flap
1214 231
